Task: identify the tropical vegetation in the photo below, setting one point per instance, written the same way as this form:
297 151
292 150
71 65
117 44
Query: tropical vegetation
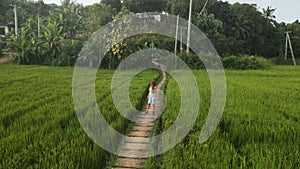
234 29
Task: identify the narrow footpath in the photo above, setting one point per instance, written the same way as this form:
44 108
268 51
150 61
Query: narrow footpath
134 151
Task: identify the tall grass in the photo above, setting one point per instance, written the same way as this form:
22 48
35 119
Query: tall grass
260 125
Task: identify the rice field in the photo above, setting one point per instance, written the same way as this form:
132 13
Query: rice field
260 126
38 124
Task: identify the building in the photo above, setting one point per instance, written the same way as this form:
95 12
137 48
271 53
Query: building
3 31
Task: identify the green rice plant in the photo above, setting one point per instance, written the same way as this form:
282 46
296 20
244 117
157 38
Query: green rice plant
39 126
259 128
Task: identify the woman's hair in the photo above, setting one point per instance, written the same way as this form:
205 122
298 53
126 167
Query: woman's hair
153 83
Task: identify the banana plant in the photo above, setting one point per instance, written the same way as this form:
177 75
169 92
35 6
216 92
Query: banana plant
52 41
21 46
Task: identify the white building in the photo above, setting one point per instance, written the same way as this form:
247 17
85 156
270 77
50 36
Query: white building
3 31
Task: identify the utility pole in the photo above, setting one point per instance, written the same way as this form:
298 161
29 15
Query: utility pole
288 41
38 17
189 25
176 35
176 40
181 48
189 28
16 19
39 26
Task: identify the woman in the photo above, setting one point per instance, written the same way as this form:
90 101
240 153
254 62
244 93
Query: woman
151 96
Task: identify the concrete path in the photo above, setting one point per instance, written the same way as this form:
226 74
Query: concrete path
134 151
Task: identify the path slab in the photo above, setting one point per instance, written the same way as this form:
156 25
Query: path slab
133 154
142 120
147 117
142 128
136 146
129 162
139 134
144 124
137 140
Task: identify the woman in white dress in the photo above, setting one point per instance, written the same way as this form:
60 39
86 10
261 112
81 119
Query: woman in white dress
151 96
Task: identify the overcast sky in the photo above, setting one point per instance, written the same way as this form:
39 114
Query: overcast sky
286 10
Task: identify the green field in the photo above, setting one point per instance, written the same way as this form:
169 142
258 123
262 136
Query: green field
260 127
39 127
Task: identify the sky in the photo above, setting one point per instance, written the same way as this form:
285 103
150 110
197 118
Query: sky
286 10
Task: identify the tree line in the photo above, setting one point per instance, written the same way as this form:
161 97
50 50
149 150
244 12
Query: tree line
53 34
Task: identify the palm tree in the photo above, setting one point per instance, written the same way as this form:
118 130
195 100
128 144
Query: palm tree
269 14
240 28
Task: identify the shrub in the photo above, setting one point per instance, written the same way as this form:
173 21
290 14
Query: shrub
69 52
282 61
191 60
231 62
244 62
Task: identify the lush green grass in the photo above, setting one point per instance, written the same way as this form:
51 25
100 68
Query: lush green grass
260 127
38 124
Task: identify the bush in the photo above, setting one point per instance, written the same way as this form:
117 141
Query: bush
244 62
69 53
231 62
282 61
191 60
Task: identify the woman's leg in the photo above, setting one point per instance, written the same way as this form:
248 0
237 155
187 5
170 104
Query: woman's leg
147 108
150 102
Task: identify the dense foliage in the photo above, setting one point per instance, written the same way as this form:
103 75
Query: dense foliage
234 29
